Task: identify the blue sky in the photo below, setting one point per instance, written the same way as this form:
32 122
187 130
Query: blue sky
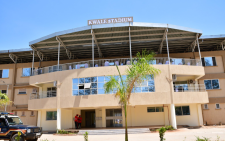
26 20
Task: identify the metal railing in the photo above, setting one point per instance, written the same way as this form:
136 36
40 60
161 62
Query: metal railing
189 88
114 62
43 94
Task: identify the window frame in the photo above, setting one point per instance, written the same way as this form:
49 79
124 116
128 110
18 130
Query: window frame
211 84
155 109
3 90
52 114
207 107
1 75
214 62
219 106
22 91
182 110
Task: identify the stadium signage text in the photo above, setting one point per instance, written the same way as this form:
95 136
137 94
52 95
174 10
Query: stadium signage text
110 20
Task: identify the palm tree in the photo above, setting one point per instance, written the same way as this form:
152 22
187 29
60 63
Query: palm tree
139 70
4 100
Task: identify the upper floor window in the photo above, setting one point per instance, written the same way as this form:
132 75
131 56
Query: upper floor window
27 71
22 91
206 106
51 92
23 113
32 113
155 109
95 85
209 61
217 106
182 110
3 91
4 73
212 84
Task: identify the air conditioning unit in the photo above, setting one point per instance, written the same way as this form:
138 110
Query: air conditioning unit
191 81
174 77
55 83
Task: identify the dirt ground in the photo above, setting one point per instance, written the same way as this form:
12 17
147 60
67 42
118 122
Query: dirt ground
181 134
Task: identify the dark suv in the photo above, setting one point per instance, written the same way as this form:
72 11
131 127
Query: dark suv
11 124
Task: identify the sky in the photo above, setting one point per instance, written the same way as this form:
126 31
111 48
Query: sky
22 21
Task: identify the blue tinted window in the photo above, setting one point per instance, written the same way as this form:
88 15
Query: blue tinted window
101 91
101 85
137 89
88 80
144 89
107 78
26 71
215 84
151 83
208 84
75 92
5 73
75 86
81 80
93 85
93 91
81 92
87 92
101 79
93 79
151 89
75 80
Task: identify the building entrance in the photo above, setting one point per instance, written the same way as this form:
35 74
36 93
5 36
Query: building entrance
88 117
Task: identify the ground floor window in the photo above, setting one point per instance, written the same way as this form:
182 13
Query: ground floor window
205 106
155 109
182 110
51 115
217 106
114 118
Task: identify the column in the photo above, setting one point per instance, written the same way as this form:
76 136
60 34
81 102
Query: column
200 118
173 116
103 117
39 119
59 118
166 115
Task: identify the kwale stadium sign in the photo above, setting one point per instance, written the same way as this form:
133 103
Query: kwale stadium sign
110 20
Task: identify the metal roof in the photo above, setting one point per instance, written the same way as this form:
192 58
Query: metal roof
110 40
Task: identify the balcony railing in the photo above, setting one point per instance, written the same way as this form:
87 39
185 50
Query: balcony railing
113 62
189 88
43 94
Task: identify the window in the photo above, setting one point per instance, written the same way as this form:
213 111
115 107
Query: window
95 85
217 106
51 115
27 71
113 117
32 113
16 113
182 110
22 91
212 84
155 109
51 92
205 106
23 113
209 61
3 91
4 73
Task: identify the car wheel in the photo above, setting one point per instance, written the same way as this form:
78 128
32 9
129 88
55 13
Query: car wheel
14 138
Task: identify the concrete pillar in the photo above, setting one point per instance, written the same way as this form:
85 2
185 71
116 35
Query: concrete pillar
173 116
103 117
166 115
200 118
39 119
59 119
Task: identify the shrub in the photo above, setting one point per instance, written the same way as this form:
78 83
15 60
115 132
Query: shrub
204 139
86 136
162 131
62 132
169 127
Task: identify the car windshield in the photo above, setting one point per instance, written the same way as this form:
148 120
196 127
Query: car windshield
14 121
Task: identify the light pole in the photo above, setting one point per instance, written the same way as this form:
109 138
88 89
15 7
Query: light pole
6 91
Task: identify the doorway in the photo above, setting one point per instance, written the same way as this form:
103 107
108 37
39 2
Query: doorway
88 118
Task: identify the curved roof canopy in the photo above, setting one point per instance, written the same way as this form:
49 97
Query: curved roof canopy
113 40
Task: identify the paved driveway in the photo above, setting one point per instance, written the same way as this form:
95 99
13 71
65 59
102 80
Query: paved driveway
178 135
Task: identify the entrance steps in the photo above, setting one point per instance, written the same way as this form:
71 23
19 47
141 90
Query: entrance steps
95 131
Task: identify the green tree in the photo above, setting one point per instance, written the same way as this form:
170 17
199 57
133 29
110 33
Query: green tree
139 70
4 100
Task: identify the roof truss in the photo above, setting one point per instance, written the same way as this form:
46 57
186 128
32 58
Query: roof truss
13 57
96 42
39 54
194 43
68 52
161 44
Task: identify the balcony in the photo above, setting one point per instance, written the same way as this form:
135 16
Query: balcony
43 94
114 62
189 88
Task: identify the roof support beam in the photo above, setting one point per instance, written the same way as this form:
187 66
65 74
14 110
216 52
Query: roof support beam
68 52
39 54
194 43
13 57
222 44
96 42
163 38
